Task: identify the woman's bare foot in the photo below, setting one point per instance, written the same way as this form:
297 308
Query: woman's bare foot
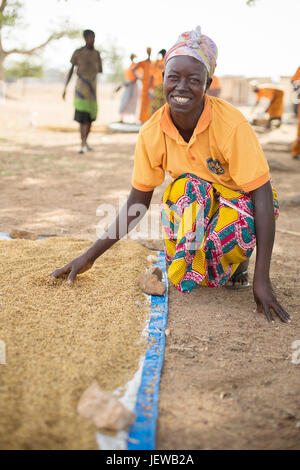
239 280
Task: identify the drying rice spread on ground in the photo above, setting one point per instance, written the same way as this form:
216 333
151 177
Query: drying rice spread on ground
59 338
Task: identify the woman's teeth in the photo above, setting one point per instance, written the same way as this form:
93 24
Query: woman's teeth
181 99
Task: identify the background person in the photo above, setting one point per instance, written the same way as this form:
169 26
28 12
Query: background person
156 84
130 93
296 145
272 100
145 67
88 63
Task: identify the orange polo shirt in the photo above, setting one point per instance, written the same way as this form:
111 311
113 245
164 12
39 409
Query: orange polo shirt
223 149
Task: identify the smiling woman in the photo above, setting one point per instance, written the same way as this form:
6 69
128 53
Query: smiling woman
220 203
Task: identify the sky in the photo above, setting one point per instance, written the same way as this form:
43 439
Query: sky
262 40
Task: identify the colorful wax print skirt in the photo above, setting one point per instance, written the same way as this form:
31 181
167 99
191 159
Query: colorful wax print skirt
208 231
86 96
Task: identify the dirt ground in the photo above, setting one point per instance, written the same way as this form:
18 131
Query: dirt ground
228 379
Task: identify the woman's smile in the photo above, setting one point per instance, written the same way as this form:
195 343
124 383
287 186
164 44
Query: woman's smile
181 99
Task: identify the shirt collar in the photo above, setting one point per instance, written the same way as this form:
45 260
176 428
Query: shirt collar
168 127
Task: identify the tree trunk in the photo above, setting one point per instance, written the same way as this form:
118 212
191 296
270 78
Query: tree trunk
2 57
2 71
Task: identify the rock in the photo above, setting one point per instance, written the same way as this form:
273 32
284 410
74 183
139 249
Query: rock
226 395
167 332
15 233
155 271
289 416
150 284
103 409
155 245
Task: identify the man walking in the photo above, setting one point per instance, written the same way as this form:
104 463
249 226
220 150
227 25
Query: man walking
88 63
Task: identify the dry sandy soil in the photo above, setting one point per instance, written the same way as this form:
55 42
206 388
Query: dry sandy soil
228 380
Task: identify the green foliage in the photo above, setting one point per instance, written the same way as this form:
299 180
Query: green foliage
24 69
251 3
11 13
112 56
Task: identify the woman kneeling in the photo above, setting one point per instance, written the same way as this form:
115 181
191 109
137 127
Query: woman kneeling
220 203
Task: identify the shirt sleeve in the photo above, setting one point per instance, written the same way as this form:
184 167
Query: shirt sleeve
146 174
248 166
74 58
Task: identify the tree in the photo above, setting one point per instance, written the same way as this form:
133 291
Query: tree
23 70
112 55
10 16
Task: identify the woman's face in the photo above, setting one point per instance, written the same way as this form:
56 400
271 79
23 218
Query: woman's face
185 83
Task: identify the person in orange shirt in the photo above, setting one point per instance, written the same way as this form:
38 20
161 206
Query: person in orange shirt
273 102
220 203
215 87
145 66
296 145
130 94
156 84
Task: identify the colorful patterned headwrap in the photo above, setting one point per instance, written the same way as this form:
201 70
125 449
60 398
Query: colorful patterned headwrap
195 44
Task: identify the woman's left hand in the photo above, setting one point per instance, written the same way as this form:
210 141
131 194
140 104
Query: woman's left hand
266 300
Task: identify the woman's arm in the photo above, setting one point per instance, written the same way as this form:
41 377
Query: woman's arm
85 261
265 233
134 70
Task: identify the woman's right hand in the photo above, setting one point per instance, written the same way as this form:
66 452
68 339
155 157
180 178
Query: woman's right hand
77 266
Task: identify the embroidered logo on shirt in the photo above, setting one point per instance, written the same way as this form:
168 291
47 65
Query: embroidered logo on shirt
215 166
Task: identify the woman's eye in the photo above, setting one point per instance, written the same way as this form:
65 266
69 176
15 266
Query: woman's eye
195 81
172 77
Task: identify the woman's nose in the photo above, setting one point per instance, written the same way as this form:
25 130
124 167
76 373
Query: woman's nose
181 84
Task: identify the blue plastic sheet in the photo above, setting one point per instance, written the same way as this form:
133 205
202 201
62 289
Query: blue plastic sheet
4 236
143 432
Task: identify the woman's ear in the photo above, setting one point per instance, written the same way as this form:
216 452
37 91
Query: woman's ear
208 83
